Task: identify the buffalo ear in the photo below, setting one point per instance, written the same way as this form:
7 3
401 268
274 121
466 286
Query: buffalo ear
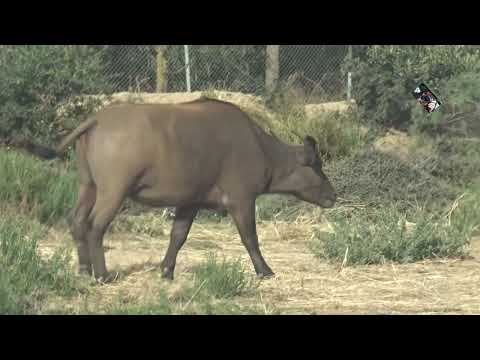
309 150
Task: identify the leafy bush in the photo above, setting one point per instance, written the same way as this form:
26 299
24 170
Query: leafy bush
409 214
337 133
44 190
386 234
385 78
459 112
376 178
467 215
458 161
36 79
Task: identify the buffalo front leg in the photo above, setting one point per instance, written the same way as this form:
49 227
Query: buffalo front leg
243 214
184 217
79 225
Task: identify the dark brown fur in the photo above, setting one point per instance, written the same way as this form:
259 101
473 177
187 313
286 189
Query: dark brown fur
201 154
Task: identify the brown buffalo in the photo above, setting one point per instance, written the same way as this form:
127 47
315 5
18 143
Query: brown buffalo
201 154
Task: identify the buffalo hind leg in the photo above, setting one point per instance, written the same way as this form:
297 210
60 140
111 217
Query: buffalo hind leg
105 209
79 225
79 216
184 217
243 214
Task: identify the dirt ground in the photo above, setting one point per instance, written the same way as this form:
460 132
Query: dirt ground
303 284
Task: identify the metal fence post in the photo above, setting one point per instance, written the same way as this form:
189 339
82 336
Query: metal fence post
349 76
187 67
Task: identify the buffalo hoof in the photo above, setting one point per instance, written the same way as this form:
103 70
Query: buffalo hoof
167 274
85 270
107 278
266 275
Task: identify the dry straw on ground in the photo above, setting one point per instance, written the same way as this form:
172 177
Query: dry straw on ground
303 285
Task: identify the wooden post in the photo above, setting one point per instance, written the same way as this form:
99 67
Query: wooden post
272 68
161 68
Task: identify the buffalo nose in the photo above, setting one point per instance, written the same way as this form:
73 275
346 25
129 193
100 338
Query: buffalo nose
328 203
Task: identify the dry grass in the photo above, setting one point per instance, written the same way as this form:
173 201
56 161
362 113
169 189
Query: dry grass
312 110
248 101
394 143
303 285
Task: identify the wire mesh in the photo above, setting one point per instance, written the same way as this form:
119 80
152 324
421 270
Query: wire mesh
316 70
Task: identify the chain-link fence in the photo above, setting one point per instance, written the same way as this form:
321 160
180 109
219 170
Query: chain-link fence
316 71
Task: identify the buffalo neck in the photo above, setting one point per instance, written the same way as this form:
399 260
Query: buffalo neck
282 158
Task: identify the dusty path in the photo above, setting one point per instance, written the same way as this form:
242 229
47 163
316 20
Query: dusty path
304 284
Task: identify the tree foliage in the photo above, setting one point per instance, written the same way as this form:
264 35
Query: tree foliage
36 79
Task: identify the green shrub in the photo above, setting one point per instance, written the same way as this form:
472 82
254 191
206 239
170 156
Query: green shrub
459 112
466 217
376 178
394 193
387 234
36 79
385 78
26 278
43 189
458 161
337 133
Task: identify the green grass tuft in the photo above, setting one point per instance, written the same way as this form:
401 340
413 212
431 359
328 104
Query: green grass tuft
223 279
160 306
25 277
